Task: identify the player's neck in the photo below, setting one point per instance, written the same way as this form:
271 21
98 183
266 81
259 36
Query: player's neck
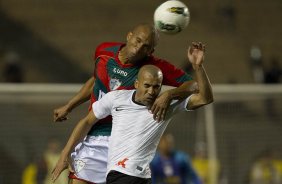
137 100
122 57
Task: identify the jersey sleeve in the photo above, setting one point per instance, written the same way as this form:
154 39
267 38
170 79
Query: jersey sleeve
95 55
177 106
99 50
107 48
103 107
172 76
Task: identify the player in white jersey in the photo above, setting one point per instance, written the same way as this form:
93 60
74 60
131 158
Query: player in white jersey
135 133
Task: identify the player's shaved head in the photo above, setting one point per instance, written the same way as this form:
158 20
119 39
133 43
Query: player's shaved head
140 44
152 70
148 84
148 29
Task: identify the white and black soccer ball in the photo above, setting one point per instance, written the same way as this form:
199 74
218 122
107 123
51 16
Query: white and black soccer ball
171 17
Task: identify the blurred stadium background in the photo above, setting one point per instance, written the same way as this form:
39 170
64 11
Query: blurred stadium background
53 41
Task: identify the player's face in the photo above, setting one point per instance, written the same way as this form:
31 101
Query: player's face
147 89
140 44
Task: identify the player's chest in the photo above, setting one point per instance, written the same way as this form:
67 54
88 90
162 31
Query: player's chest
119 76
116 71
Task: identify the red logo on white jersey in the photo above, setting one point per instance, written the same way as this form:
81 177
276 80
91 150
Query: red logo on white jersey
122 162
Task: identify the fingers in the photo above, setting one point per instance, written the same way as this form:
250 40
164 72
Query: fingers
198 45
158 113
159 116
59 116
190 50
160 106
62 119
154 109
55 116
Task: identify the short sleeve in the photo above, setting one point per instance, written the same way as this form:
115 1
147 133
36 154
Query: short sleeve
103 107
177 106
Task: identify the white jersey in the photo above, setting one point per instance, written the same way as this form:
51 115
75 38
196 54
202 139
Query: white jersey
135 134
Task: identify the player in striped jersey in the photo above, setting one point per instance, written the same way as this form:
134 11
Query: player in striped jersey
135 133
116 68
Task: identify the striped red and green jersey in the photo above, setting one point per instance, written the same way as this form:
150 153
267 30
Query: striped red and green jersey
111 74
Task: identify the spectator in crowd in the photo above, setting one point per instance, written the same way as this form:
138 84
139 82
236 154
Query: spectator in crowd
50 158
12 71
278 165
34 172
202 164
256 64
39 170
171 166
273 73
264 170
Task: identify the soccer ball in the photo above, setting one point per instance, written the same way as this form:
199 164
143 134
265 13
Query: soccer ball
171 17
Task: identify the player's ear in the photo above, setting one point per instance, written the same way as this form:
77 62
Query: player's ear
136 83
128 36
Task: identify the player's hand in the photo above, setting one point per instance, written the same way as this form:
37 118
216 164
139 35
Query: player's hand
160 106
60 114
196 54
61 165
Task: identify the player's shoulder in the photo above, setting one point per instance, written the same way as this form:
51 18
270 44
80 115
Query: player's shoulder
105 45
123 93
108 48
161 63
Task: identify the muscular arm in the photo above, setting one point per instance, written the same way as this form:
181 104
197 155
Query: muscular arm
183 91
79 132
82 96
205 94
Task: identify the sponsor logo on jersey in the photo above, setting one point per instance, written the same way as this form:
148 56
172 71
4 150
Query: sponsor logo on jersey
78 165
139 168
119 109
119 71
122 163
114 84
